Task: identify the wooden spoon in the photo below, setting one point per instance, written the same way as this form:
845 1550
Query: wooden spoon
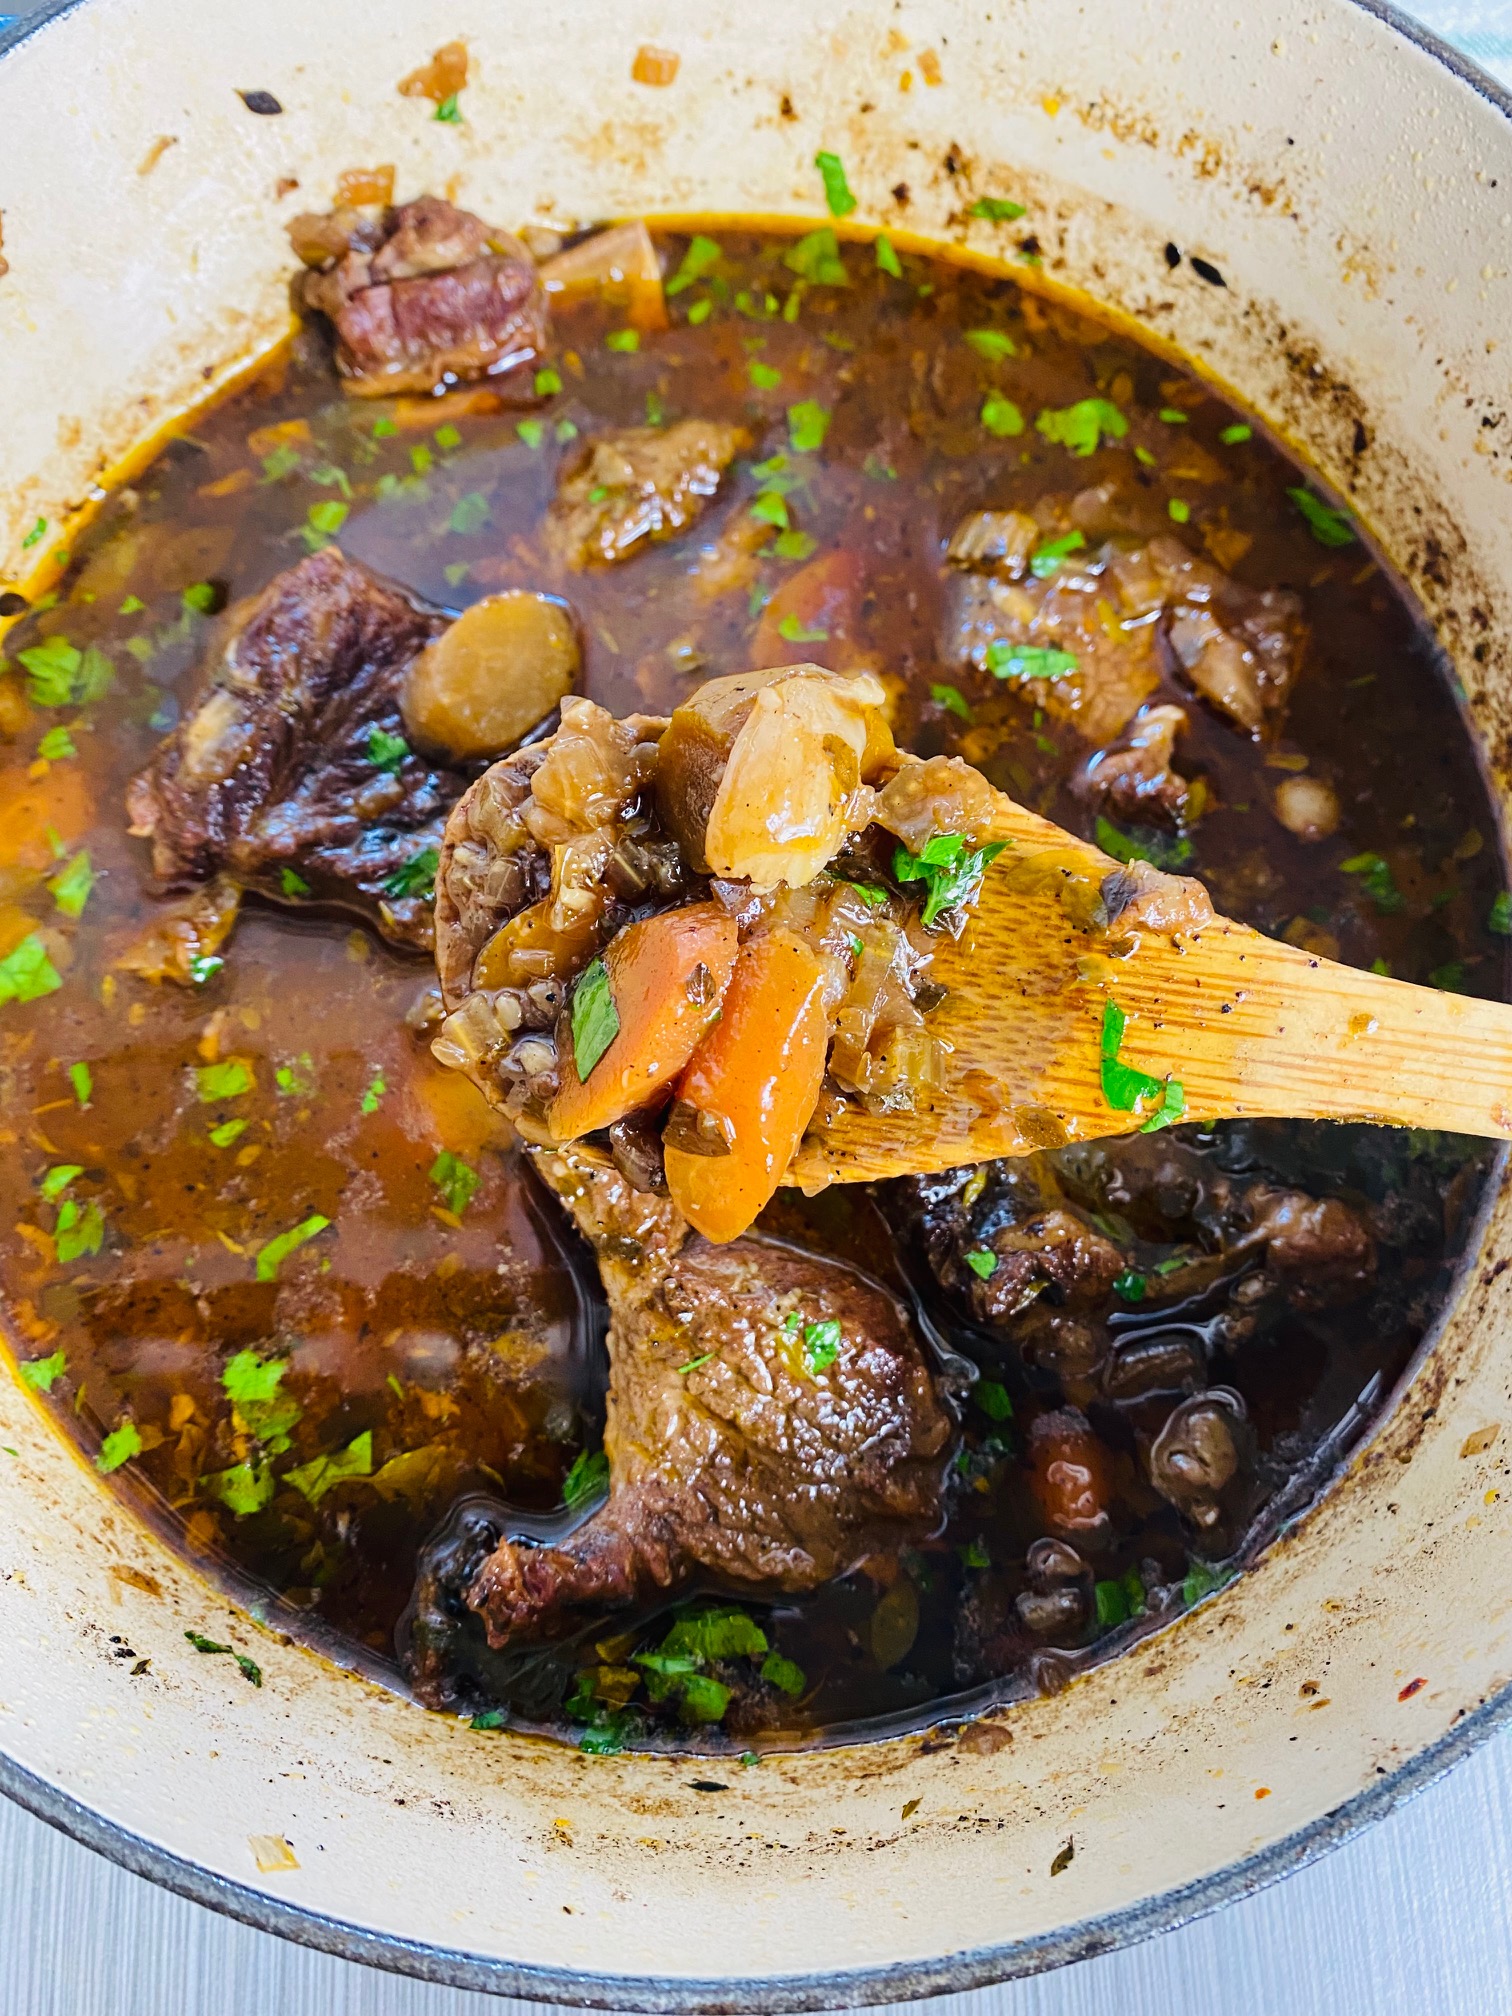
1243 1023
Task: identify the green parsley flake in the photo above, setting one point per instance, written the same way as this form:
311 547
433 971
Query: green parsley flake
385 751
792 630
283 461
702 256
41 1374
1160 849
201 597
203 1644
821 1345
783 1674
322 522
1232 436
793 546
951 871
975 1555
1377 881
1000 416
595 1019
56 746
982 1263
384 428
448 112
953 700
996 209
816 258
81 1078
771 509
887 257
57 1180
227 1132
470 513
36 534
808 423
60 675
1173 416
456 572
70 889
27 973
765 377
625 340
421 459
1329 526
1450 978
837 191
1126 1088
1131 1285
1178 510
243 1489
227 1080
722 1633
272 1256
1202 1579
455 1179
993 344
253 1386
377 1086
204 966
417 877
587 1479
1028 661
296 1080
1081 427
694 1363
1500 917
1046 559
291 883
313 1479
533 434
994 1399
119 1446
700 312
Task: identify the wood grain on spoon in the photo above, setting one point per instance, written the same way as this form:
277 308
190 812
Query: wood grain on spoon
1246 1024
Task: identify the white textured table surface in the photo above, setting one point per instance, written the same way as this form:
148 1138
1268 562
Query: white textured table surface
1412 1918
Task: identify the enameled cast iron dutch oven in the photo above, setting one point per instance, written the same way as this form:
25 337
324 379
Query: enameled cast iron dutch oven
1339 191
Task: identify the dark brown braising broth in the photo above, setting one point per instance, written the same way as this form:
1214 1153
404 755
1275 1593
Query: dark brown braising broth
460 1331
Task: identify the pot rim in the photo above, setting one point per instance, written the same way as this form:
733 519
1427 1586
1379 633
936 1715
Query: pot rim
955 1973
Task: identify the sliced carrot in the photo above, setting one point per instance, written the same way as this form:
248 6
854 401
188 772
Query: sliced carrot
664 1003
1069 1471
754 1080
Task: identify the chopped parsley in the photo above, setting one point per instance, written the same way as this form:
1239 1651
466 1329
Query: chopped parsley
625 340
385 751
1115 1602
384 427
71 886
983 1264
887 257
1377 880
974 1554
416 877
1163 851
448 437
994 1399
784 1674
59 674
953 700
323 521
41 1373
272 1256
700 312
57 1180
204 966
377 1086
1500 918
313 1479
793 545
119 1446
533 434
808 423
595 1019
1000 416
996 209
227 1132
1045 560
260 1408
296 1080
79 1232
816 258
702 256
470 513
771 508
1450 978
448 112
837 191
456 1180
291 883
81 1078
56 746
1178 510
1131 1285
765 377
587 1479
243 1489
1232 436
821 1345
694 1363
1330 527
1028 661
200 597
951 871
1125 1088
227 1080
27 973
1202 1579
793 630
993 344
1081 427
37 533
249 1667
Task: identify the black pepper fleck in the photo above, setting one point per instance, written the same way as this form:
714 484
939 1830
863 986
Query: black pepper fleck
260 101
1206 270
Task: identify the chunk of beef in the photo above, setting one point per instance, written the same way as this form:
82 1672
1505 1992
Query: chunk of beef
544 858
1133 779
271 773
1116 608
1139 897
638 484
730 1452
429 296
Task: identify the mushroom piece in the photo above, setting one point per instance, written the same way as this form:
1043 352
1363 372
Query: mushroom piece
1308 807
492 676
1196 1454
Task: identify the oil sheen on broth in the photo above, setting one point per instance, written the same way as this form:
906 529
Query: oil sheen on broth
417 1367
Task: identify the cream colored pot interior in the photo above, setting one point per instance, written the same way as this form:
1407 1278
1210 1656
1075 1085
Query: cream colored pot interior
1356 200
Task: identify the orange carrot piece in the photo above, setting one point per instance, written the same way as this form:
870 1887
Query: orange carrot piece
756 1077
664 1005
